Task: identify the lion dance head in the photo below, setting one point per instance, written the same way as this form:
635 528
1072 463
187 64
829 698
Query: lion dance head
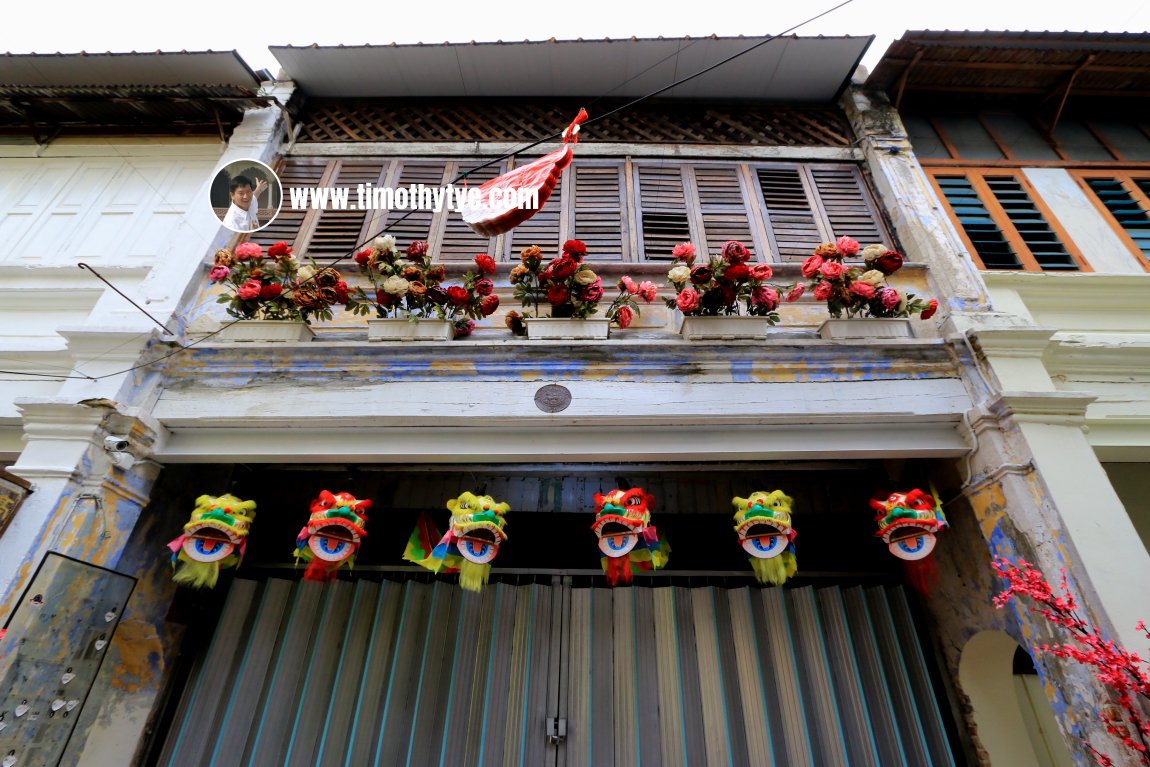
628 542
214 538
907 522
332 535
763 524
476 531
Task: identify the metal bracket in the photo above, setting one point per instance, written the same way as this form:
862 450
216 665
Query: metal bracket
556 730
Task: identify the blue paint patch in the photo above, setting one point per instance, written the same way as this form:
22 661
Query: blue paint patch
741 371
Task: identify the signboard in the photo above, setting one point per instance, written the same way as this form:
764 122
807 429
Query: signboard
13 490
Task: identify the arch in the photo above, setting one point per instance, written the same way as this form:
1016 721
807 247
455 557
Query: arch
1015 724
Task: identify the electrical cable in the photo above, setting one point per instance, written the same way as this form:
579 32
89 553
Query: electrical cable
461 177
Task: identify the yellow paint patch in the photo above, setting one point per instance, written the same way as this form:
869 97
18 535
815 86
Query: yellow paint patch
989 506
135 643
453 366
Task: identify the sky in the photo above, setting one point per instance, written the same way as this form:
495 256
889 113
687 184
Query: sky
69 26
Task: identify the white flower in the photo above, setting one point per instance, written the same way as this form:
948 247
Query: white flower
872 252
873 277
396 286
305 273
585 276
386 244
679 274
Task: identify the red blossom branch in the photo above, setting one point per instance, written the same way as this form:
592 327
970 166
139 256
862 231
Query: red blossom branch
1123 672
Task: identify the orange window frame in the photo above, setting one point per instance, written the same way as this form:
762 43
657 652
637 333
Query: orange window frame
1126 178
977 179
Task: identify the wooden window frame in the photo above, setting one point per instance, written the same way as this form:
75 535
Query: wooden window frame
977 178
1126 178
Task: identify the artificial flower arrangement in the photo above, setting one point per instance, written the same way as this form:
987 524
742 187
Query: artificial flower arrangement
273 286
726 284
569 286
861 291
408 285
625 307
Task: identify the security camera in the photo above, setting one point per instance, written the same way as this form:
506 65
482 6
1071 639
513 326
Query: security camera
116 444
123 460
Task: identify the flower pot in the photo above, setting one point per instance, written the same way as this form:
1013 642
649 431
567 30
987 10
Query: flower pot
866 327
733 328
567 328
266 331
404 329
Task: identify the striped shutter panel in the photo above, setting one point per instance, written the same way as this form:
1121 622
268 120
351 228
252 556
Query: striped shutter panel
725 215
337 233
409 225
847 204
986 237
599 209
455 241
1125 208
663 218
795 227
544 229
302 174
1040 239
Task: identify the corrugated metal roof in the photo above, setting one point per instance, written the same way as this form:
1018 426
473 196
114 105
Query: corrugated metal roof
801 69
1015 64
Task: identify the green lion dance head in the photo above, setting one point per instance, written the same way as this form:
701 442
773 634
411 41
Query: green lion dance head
214 538
763 523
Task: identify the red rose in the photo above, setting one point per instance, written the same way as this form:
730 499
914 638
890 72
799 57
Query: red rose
811 266
489 305
576 249
485 263
889 262
417 251
624 316
735 252
765 297
832 270
736 272
342 291
270 291
484 287
557 294
823 291
796 292
362 257
700 274
687 301
762 272
563 267
279 250
457 295
862 289
929 311
384 298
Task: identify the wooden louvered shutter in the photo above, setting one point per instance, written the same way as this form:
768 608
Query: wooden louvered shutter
544 229
598 210
794 226
454 240
847 204
408 225
335 233
724 214
303 174
663 217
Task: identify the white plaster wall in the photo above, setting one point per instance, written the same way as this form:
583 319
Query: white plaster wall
1132 483
1101 247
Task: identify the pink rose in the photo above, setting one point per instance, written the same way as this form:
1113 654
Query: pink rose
823 291
811 266
484 286
765 297
761 272
735 252
889 297
250 289
684 251
647 291
464 328
219 273
628 284
624 316
863 290
688 300
796 292
246 250
594 291
832 270
846 246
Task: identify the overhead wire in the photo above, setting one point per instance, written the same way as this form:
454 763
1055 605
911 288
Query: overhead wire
463 175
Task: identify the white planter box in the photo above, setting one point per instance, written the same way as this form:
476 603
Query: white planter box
567 329
266 331
732 328
403 329
866 327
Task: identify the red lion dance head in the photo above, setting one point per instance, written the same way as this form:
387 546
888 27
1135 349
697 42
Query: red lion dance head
627 540
332 534
907 522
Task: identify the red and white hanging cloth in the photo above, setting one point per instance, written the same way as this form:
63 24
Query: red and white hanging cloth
501 205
